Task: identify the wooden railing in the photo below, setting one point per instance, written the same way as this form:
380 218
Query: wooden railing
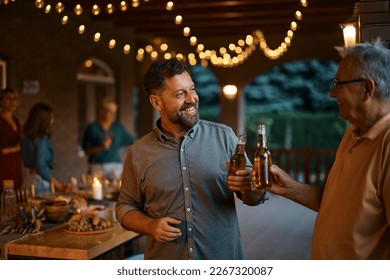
308 165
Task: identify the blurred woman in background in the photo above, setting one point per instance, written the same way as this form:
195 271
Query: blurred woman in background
37 151
10 130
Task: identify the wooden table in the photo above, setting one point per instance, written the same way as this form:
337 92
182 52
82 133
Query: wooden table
58 244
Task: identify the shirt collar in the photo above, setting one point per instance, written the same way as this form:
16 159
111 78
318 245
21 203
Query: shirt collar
163 137
375 130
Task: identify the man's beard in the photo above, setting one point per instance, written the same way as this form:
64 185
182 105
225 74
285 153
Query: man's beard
183 119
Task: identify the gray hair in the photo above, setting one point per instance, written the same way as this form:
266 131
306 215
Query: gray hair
372 60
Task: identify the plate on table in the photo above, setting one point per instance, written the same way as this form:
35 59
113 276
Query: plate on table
88 232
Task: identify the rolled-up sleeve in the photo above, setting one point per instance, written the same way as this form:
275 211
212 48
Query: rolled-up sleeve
130 196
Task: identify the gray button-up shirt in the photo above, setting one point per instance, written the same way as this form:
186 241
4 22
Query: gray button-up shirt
185 181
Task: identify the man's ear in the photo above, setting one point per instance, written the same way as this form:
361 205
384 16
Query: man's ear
369 90
155 101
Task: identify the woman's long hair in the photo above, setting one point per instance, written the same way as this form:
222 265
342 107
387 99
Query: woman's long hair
38 122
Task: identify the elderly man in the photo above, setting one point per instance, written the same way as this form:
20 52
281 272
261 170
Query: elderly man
353 219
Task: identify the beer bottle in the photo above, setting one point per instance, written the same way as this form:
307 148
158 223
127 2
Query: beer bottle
238 160
9 208
262 160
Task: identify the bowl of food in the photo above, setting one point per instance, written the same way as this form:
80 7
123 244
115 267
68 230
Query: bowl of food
57 211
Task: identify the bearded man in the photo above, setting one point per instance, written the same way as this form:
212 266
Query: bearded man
175 188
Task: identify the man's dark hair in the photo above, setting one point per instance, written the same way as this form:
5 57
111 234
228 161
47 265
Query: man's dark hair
154 79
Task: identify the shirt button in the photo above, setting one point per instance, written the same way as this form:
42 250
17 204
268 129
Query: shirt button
186 189
184 168
182 150
189 229
191 249
188 209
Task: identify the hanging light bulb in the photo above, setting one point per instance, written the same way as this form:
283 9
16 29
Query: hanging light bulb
169 6
164 47
78 9
178 19
126 49
112 44
186 31
64 20
97 37
60 7
193 40
110 8
47 9
81 29
124 6
39 4
95 10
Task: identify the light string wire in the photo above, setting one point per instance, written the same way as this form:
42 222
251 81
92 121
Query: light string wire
232 55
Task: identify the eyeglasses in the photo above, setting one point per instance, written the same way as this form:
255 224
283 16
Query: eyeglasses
337 84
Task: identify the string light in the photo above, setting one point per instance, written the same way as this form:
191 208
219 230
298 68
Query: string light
234 54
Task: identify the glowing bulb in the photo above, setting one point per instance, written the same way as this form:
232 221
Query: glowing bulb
110 8
78 9
97 37
304 3
95 10
39 4
294 26
112 44
124 6
64 20
298 15
60 7
88 63
169 6
178 19
164 47
149 48
193 41
186 31
126 49
81 29
47 9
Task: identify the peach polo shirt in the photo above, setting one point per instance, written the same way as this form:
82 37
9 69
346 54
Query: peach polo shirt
353 221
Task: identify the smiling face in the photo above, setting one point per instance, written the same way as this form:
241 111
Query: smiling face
177 103
349 97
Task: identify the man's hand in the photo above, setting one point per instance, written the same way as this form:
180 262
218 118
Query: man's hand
164 229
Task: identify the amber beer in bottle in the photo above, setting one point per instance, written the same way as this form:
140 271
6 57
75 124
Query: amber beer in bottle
238 161
262 160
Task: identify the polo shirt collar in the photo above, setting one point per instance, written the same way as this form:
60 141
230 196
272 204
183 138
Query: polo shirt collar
375 130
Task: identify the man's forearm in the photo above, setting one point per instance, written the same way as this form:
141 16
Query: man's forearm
138 221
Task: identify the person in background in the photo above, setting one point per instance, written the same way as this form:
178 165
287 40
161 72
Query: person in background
37 151
353 220
103 140
175 188
10 131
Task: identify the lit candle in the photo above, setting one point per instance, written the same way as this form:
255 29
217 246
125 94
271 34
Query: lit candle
97 189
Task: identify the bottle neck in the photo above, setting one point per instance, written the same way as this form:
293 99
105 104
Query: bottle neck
261 140
240 149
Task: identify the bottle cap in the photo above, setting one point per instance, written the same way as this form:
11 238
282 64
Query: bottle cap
261 129
242 138
8 184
